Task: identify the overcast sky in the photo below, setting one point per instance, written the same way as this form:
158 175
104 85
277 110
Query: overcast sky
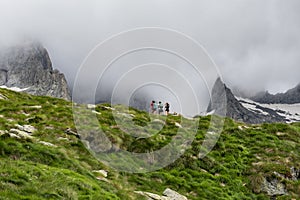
255 43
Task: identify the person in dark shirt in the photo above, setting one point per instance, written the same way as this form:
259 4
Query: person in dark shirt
167 108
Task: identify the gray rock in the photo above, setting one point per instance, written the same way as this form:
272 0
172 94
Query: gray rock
173 195
27 128
2 132
19 134
273 187
2 97
29 66
295 174
102 172
46 144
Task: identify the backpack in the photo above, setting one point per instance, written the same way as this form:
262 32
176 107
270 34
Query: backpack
151 104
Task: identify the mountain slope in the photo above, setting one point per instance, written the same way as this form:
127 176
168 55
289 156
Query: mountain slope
28 66
292 96
42 157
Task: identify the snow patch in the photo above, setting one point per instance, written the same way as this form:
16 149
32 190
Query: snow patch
210 113
291 112
16 89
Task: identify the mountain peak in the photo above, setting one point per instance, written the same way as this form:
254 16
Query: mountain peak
28 65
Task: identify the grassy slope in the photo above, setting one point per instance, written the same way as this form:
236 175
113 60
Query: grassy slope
233 170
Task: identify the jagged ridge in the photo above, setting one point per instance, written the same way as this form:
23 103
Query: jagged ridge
292 96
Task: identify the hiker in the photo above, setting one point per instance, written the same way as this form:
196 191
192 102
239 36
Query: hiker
167 108
152 106
160 108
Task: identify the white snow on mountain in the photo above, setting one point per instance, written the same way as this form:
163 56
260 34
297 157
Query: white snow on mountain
16 89
291 112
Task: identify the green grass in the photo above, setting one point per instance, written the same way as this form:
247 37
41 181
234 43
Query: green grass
234 169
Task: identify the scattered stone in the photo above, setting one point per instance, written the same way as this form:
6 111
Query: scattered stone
173 195
27 128
63 139
20 134
178 125
46 144
69 131
108 108
37 107
102 172
2 132
91 106
102 179
12 135
49 127
242 127
94 111
3 97
280 134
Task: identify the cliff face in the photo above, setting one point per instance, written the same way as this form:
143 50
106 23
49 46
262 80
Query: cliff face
29 66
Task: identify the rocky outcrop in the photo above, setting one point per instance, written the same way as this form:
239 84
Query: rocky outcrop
292 96
273 187
29 66
224 103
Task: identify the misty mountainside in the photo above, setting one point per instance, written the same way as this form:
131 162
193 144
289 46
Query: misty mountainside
249 111
28 67
43 157
291 96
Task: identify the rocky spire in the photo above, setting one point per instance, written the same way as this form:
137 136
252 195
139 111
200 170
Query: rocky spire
29 66
224 103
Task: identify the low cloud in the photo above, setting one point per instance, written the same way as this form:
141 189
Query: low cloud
255 44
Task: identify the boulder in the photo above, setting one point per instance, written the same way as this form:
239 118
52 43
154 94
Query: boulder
173 195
